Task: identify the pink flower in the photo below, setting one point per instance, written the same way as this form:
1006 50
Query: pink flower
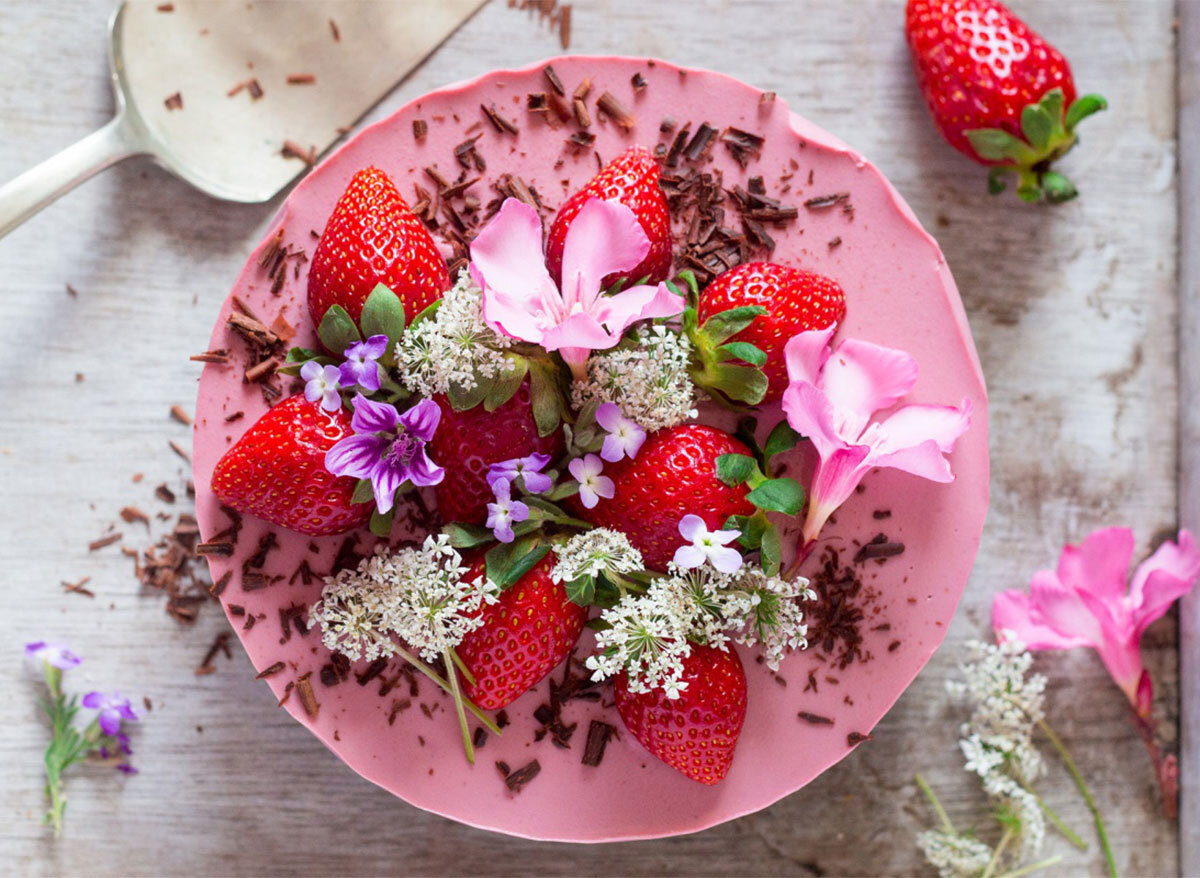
521 300
830 399
1085 603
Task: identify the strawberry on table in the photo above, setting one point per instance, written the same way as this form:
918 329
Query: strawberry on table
796 301
525 635
695 733
372 237
276 471
999 93
632 179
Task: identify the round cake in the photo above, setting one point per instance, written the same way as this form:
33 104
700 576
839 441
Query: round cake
879 543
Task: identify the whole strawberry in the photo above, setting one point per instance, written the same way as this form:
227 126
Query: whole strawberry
697 732
631 178
277 471
525 635
999 92
372 237
474 440
796 301
673 475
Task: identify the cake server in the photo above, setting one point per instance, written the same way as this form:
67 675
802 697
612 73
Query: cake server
239 98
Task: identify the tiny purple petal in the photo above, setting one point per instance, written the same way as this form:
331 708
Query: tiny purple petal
692 527
518 511
422 419
385 480
356 456
609 416
126 768
725 559
373 417
424 472
55 654
502 488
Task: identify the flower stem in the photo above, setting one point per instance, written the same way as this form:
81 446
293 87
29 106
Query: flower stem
997 853
937 805
1073 770
58 803
1066 831
437 678
1166 770
468 746
462 667
802 553
1033 867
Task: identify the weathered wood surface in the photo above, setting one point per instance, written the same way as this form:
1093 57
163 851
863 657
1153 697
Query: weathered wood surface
1074 311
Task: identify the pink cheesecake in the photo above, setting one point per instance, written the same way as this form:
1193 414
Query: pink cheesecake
888 568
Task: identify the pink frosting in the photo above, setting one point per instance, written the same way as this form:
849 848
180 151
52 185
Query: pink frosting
899 294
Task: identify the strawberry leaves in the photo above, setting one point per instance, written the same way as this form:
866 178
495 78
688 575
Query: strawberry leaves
715 359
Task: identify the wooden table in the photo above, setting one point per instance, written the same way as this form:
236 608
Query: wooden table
1075 313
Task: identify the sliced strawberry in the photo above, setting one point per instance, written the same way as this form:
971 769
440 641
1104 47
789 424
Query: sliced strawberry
674 474
277 471
475 439
525 635
697 732
796 301
631 178
372 237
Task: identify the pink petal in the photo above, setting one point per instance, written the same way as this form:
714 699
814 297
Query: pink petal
924 460
861 378
1012 612
810 413
806 353
1063 609
915 424
692 527
647 302
834 481
1123 659
515 317
580 330
604 238
508 265
1099 564
1163 578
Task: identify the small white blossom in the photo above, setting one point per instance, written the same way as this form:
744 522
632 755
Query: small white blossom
954 855
650 383
594 552
587 470
710 546
454 348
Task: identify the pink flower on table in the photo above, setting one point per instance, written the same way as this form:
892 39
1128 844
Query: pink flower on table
831 398
1085 603
521 300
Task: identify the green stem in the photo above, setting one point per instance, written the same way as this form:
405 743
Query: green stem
462 667
1073 770
997 853
58 804
468 746
1033 867
1066 831
937 805
437 678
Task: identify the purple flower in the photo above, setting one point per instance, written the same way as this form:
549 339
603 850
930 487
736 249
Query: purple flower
592 485
624 437
388 447
360 367
505 511
529 469
55 654
322 385
126 768
113 708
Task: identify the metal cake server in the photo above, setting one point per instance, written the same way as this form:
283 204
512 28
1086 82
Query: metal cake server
203 88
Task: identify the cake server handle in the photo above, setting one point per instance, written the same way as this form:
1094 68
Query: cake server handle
40 185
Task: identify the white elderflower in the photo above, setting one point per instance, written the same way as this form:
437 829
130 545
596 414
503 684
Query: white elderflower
770 614
954 855
594 552
455 347
650 383
351 615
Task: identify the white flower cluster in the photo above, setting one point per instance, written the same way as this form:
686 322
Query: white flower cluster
423 596
454 348
594 552
954 855
650 382
651 633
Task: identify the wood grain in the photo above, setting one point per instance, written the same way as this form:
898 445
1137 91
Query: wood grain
1074 311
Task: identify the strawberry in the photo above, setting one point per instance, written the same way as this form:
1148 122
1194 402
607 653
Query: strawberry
631 178
999 93
475 439
525 635
674 474
371 238
697 732
277 471
796 301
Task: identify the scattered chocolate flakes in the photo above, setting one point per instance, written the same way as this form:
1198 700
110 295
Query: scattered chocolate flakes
307 697
667 125
78 587
218 356
255 89
742 145
174 102
855 738
893 646
333 30
480 737
72 292
165 494
836 618
615 110
879 548
293 150
881 514
180 414
700 142
835 242
399 705
420 129
564 26
501 719
301 78
552 78
638 81
130 514
815 718
517 780
582 139
767 97
215 548
103 541
220 644
821 202
597 739
373 670
501 124
165 7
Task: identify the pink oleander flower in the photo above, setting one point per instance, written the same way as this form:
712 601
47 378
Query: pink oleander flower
521 300
831 397
1085 603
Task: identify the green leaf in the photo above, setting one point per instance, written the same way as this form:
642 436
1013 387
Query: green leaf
736 469
743 350
507 383
467 536
303 355
337 331
563 490
363 491
548 403
771 549
783 438
383 314
508 562
997 145
1058 188
778 495
996 182
381 522
752 529
740 383
1052 103
728 323
689 277
1084 107
427 313
462 399
581 591
1037 126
